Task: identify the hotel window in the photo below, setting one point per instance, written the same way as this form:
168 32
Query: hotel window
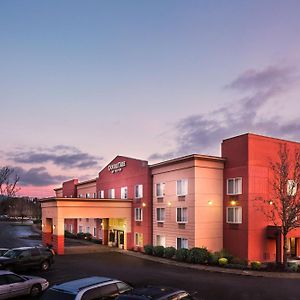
124 192
138 239
65 226
138 214
181 215
181 243
234 186
111 193
87 219
291 188
160 189
101 194
94 195
80 195
138 191
160 214
87 195
234 215
181 187
87 229
160 240
71 228
95 231
80 229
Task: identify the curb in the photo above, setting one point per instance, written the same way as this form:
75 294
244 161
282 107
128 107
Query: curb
212 269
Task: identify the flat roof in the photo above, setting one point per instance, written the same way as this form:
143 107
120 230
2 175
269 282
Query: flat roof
187 157
86 181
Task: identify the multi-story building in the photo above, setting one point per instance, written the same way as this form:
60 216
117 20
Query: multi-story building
191 201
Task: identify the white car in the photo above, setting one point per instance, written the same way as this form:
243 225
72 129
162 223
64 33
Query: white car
13 285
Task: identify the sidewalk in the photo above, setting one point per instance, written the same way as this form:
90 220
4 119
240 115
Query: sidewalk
211 268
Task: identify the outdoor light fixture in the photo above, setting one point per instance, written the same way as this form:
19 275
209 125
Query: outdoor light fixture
169 203
43 225
271 202
144 204
233 202
210 202
53 226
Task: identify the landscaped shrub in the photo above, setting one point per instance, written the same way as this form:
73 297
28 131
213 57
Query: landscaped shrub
224 253
181 254
292 267
69 235
223 261
170 252
148 249
198 255
213 259
238 261
84 236
159 251
255 265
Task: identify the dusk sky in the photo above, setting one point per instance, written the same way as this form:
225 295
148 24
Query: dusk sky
84 81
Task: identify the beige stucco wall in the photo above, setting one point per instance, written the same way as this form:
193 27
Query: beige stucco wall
205 221
87 188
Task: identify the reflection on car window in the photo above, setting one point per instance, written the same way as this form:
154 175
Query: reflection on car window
123 287
108 291
11 278
2 280
12 253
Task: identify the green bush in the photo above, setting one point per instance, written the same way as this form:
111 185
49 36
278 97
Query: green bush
84 236
213 259
148 249
170 252
224 253
69 235
181 254
292 267
198 255
255 265
159 251
223 261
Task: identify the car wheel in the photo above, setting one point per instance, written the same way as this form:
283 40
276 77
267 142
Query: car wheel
36 290
45 265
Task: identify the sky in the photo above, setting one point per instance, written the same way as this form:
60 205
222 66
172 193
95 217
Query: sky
84 81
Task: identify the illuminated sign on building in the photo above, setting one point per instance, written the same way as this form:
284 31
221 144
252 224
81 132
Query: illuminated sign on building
118 167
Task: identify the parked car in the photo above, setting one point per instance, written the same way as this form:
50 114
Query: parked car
156 293
89 288
3 250
27 257
13 285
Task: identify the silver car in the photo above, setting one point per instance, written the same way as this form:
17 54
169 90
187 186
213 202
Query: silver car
13 285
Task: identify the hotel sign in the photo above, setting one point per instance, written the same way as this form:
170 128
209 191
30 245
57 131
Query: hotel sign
118 167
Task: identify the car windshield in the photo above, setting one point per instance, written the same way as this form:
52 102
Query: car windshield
57 295
12 253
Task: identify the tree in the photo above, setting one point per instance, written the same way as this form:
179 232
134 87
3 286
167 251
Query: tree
8 182
283 206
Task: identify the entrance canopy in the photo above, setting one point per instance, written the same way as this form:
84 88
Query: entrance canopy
56 210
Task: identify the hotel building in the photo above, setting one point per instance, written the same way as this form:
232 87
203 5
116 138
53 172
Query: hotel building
191 201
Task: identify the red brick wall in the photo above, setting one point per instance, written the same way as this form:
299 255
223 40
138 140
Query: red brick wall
69 188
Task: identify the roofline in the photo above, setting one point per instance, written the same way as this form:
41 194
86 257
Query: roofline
188 157
87 181
57 189
66 199
261 136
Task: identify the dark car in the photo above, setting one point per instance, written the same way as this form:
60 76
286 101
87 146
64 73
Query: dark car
156 293
27 257
3 250
89 288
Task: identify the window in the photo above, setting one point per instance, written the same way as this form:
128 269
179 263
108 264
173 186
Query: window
181 187
124 192
160 189
87 229
87 195
71 228
80 195
94 195
160 240
182 243
138 214
138 239
234 186
87 219
181 215
291 188
101 194
80 229
111 193
95 231
234 215
138 191
160 214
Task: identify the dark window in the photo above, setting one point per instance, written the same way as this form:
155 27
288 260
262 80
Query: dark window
26 253
11 278
2 280
109 291
57 295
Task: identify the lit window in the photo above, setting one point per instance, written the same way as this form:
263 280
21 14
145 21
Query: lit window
234 186
124 192
181 187
111 193
101 194
138 191
182 243
94 231
234 215
80 229
160 189
94 195
160 214
138 214
160 240
181 215
138 239
87 195
291 188
71 228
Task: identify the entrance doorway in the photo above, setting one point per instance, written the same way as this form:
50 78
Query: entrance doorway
121 239
293 247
